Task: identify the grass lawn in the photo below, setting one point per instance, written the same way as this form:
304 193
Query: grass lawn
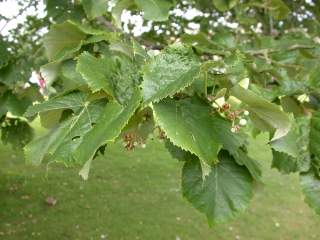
136 195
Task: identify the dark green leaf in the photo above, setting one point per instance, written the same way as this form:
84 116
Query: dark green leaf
284 163
16 132
252 165
223 194
94 8
63 40
310 184
155 10
224 5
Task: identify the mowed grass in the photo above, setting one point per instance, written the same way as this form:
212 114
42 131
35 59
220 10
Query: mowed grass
136 195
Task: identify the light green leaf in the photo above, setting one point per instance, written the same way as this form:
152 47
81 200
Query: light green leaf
63 40
94 8
155 10
84 172
310 184
223 194
266 112
224 5
37 149
122 47
169 72
139 52
292 152
59 144
73 101
79 126
96 71
191 125
288 144
113 119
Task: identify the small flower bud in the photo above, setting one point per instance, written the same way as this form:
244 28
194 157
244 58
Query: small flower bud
243 122
235 128
226 106
232 116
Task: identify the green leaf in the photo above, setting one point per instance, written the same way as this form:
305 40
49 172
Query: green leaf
291 105
59 144
223 194
201 42
310 184
284 163
113 119
224 5
191 125
15 74
266 112
82 123
155 10
70 77
169 72
96 71
61 10
84 172
277 8
303 144
122 47
292 152
94 8
252 165
73 101
37 149
16 132
119 76
288 143
50 119
176 152
63 40
10 102
126 78
315 134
